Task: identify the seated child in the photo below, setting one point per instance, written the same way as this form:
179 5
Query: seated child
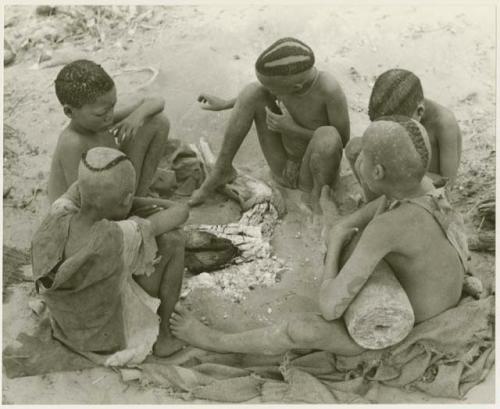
301 119
419 236
103 276
399 92
88 96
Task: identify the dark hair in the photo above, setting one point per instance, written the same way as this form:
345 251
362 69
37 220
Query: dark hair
82 82
415 134
395 92
287 56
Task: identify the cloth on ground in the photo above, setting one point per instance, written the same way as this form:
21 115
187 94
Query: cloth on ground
95 305
444 356
188 169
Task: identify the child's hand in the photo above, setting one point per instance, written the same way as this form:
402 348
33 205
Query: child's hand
147 211
212 103
127 128
280 123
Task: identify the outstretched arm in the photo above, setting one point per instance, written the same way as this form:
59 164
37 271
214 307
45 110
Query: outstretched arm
131 117
213 103
169 219
337 293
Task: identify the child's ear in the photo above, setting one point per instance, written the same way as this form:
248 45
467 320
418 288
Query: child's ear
127 200
419 113
378 172
68 111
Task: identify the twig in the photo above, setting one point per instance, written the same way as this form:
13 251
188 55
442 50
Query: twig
481 224
16 104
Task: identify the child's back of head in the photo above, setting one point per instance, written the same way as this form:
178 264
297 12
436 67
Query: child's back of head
400 146
395 92
286 56
106 180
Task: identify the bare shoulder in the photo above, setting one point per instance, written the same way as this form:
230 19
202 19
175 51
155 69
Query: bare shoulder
391 224
69 142
329 85
439 114
253 90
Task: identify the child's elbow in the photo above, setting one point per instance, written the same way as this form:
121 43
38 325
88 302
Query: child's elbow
326 311
326 308
155 101
160 103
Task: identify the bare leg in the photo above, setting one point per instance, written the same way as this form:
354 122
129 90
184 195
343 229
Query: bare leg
249 107
352 151
146 150
166 283
304 331
321 163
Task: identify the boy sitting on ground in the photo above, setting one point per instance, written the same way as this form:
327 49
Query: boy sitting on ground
399 92
88 96
419 237
99 272
301 118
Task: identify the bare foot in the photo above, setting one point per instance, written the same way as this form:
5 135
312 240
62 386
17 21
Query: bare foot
167 345
215 180
185 326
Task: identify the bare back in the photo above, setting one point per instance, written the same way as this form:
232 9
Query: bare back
445 139
67 155
424 261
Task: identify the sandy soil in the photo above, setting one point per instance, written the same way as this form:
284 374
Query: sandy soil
212 49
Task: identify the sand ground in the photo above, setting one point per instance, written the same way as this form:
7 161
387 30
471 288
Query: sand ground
212 49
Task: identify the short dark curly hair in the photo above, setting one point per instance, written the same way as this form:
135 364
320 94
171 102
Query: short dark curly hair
81 82
395 92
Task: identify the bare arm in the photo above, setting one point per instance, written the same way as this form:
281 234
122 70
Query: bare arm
70 154
142 202
361 217
338 114
168 219
337 293
449 156
343 231
213 103
143 108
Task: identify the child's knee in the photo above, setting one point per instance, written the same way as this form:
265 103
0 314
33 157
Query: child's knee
305 332
173 240
352 149
253 96
158 123
326 141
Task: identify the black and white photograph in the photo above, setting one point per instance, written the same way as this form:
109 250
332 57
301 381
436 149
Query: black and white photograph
249 203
